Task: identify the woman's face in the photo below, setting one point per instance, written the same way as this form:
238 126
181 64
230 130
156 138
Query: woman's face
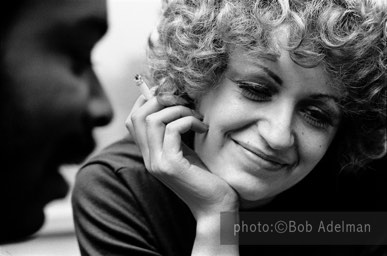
270 122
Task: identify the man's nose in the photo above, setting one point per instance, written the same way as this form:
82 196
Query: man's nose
277 128
99 108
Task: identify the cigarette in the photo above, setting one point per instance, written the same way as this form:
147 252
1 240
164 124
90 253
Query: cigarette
144 89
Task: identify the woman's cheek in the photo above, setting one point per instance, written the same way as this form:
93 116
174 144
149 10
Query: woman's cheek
313 146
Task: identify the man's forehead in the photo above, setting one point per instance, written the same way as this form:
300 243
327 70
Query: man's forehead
66 10
42 16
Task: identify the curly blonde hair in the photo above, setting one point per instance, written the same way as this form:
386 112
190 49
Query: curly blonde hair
348 38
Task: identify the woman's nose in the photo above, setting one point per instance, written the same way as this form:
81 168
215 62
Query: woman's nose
277 128
99 108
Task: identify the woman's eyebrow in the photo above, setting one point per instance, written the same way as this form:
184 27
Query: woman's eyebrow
270 73
318 96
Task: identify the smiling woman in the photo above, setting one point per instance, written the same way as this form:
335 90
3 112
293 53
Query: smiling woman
267 133
272 90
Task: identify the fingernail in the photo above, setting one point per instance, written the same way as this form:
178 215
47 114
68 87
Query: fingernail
206 127
170 100
197 115
153 90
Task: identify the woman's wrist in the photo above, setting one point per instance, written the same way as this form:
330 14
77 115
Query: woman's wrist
228 203
208 235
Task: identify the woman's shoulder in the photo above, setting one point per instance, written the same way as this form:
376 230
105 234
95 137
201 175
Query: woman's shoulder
119 165
122 153
114 185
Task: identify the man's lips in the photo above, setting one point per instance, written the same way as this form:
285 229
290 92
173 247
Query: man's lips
275 160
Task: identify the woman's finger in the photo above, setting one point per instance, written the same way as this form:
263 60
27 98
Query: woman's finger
157 122
141 100
174 130
128 122
167 99
139 125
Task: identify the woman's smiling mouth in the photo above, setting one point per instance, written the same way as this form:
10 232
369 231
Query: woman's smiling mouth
263 160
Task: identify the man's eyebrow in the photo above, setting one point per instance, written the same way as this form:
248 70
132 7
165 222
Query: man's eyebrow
94 23
270 73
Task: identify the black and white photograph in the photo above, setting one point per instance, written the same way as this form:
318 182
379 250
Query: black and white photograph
193 127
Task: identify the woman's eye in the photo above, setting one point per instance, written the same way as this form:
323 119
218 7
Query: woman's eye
317 117
256 91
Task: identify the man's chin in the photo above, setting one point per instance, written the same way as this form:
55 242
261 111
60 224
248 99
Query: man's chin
21 224
27 216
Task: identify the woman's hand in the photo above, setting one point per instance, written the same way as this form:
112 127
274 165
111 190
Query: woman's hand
157 131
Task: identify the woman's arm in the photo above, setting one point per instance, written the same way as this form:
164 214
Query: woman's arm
157 131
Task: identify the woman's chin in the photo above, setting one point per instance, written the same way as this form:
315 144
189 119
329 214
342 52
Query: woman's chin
250 189
253 196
